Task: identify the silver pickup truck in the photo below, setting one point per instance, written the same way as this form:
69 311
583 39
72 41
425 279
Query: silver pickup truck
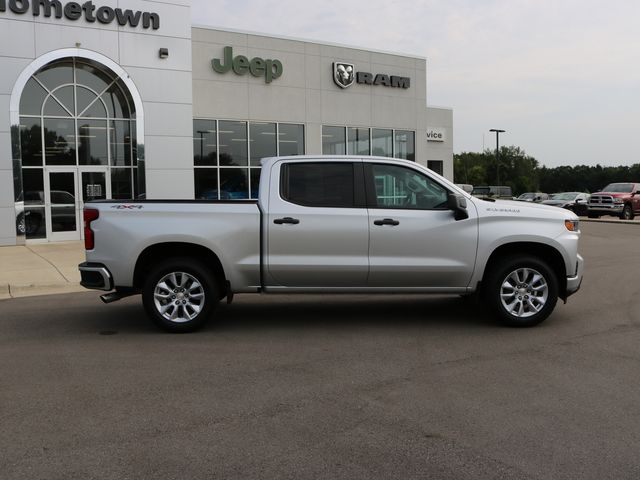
328 225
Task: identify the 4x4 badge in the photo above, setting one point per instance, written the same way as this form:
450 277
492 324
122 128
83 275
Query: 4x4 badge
343 74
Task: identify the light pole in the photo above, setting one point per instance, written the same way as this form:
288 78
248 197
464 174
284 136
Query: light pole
498 132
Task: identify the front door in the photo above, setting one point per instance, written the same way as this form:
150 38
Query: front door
415 241
61 205
67 191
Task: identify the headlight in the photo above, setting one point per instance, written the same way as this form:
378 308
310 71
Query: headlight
572 225
618 200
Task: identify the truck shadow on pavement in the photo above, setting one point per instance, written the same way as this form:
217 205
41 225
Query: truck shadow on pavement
308 312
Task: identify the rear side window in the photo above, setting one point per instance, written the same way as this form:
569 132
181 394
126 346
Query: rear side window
319 184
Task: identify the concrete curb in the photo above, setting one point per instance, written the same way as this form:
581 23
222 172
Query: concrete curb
32 290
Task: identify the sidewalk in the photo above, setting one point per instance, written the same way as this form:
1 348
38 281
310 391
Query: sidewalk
40 269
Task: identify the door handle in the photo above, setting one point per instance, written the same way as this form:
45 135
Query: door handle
387 221
292 221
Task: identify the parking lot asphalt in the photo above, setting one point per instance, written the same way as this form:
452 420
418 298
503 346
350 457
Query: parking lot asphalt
350 386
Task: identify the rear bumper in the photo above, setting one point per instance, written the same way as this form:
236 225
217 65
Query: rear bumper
574 282
95 276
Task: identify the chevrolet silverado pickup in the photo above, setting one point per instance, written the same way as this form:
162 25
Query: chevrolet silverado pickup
330 225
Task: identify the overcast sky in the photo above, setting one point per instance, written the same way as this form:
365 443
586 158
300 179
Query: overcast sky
561 77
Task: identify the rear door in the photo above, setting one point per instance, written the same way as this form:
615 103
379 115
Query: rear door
317 225
415 240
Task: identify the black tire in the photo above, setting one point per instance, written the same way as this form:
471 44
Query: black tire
627 213
531 294
185 281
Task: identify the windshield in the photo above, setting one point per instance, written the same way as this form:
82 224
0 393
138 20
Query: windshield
618 187
564 196
527 196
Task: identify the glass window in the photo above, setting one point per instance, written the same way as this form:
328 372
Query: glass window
333 140
233 143
89 105
92 142
319 184
53 108
31 141
33 184
32 97
405 145
92 77
234 183
59 141
120 142
116 102
206 183
255 181
291 139
34 223
56 74
382 142
435 165
262 141
358 141
205 151
401 187
121 183
64 95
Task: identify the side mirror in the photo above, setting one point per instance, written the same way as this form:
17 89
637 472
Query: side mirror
458 204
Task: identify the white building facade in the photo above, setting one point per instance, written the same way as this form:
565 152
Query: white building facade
128 100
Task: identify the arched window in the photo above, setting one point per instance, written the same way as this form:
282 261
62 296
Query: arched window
78 143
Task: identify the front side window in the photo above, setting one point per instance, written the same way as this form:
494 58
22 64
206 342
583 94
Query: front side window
401 187
319 184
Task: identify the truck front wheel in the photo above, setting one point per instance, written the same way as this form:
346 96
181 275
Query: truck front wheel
627 213
180 295
521 290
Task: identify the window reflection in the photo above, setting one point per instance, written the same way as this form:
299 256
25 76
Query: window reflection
31 141
205 150
240 146
358 141
120 142
233 143
382 142
92 139
405 145
333 140
262 141
59 141
291 139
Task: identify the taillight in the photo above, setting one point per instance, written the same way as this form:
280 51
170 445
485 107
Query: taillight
90 214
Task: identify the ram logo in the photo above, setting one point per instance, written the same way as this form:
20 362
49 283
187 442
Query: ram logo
343 74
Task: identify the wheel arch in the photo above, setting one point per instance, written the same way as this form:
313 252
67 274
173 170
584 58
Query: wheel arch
540 250
151 255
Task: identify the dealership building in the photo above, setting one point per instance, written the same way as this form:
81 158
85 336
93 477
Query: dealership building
129 100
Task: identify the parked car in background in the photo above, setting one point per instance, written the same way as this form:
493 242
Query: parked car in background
465 186
617 199
536 197
577 202
492 191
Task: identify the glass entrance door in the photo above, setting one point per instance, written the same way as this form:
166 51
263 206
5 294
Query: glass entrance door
67 191
61 205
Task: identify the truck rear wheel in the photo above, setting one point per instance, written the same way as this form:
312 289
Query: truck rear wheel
521 290
180 295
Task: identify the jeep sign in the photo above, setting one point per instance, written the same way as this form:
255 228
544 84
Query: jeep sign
258 67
